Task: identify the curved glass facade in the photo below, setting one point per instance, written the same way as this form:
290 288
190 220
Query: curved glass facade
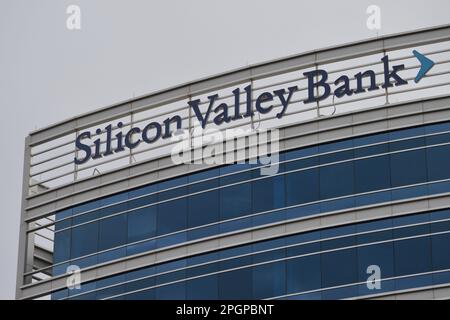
345 174
410 251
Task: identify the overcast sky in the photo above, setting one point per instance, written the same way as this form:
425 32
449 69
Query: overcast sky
133 47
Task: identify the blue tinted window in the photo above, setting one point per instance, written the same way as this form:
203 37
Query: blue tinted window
234 178
114 204
202 175
436 139
269 280
176 291
305 152
375 138
438 127
112 231
62 246
142 295
408 168
381 255
336 180
302 187
303 274
440 251
268 193
372 174
172 216
407 144
438 159
235 201
228 281
336 156
84 239
301 164
66 222
372 150
406 133
203 208
142 224
339 267
412 256
204 288
83 217
338 243
333 146
142 201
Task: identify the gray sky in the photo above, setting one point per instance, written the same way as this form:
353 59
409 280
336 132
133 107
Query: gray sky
133 47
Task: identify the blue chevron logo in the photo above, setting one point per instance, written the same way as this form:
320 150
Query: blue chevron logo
426 65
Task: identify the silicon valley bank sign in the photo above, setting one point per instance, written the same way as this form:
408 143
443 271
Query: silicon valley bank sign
223 113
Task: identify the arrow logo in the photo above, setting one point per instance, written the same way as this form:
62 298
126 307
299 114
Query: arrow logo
426 65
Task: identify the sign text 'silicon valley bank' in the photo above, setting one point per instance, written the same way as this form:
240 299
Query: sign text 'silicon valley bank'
224 113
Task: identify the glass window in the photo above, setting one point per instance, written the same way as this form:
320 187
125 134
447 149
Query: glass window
142 295
202 175
142 224
339 267
203 208
200 270
228 281
438 160
338 243
112 291
370 139
143 201
176 291
60 294
381 255
66 222
62 246
235 201
112 232
301 164
372 150
174 186
408 167
412 256
114 204
140 284
204 288
438 127
269 280
411 231
237 177
84 239
406 133
172 216
142 196
372 174
407 144
203 186
436 139
303 274
268 193
337 145
79 210
336 156
304 152
336 180
302 187
440 251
